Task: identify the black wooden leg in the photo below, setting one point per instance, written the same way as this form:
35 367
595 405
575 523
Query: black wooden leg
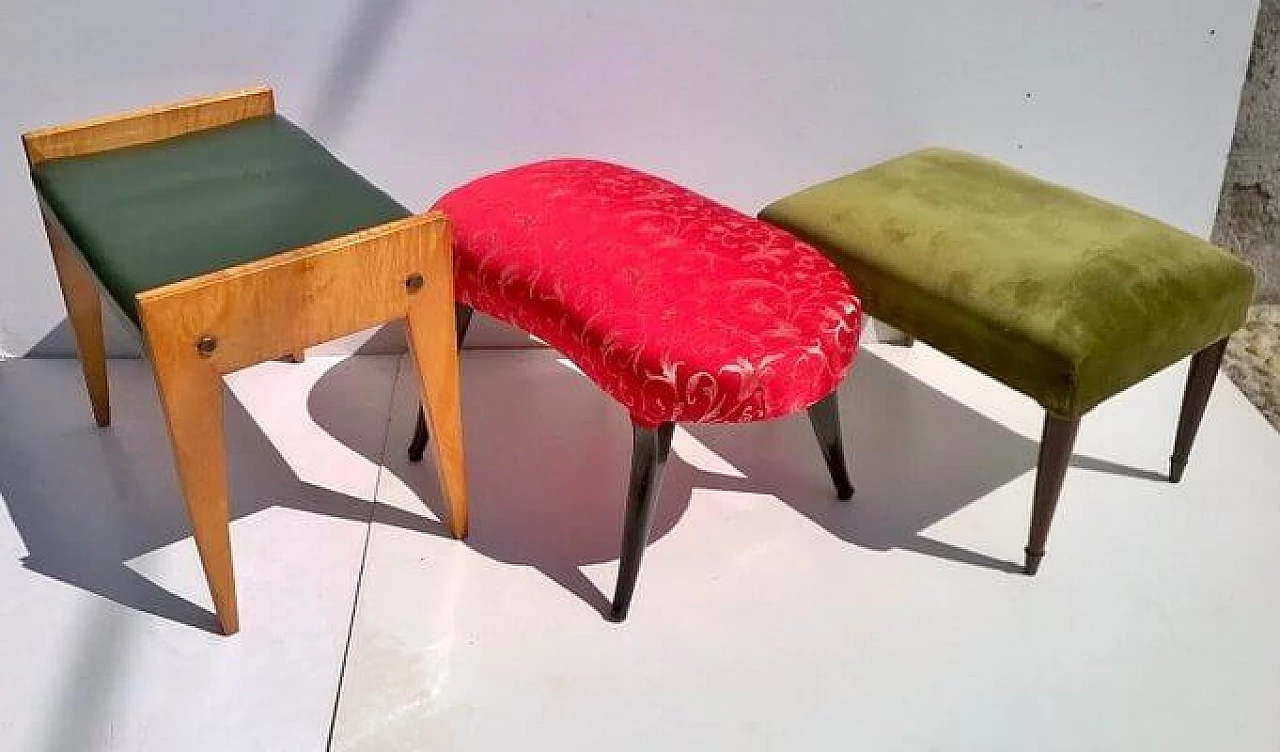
648 457
1055 454
825 417
418 446
1204 371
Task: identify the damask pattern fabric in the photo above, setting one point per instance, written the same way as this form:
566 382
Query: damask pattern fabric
680 308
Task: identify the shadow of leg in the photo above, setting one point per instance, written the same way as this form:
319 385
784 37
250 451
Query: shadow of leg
936 548
573 580
117 582
1114 468
79 521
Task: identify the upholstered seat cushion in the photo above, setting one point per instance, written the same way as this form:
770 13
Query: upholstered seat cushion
680 308
1064 297
148 215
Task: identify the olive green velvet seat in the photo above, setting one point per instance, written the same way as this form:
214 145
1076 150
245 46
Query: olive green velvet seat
1059 295
148 215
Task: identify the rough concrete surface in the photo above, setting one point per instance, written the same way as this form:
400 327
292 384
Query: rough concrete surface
1249 211
1249 216
1253 360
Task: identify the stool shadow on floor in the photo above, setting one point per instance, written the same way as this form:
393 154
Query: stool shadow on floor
547 490
548 456
546 475
86 500
917 457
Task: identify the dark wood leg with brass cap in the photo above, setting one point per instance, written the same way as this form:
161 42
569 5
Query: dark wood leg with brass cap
648 457
418 446
1055 454
825 417
1204 372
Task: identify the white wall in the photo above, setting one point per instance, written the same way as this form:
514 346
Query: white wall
746 101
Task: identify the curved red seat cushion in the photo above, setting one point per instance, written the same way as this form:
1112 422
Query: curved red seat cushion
680 308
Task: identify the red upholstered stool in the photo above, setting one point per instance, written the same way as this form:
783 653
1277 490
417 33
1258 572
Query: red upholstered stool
680 308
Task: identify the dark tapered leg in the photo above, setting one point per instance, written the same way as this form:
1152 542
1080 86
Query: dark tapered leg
1204 371
462 321
1055 454
825 417
648 457
418 446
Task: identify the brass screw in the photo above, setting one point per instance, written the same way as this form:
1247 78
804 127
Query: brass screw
206 345
413 282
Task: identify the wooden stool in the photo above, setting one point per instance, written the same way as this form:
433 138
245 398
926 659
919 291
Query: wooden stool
229 237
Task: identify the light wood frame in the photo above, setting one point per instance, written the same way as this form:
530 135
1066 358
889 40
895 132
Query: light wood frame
147 125
198 329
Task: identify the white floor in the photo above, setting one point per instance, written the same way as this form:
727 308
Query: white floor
768 615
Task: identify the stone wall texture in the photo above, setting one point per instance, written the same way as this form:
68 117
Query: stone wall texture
1249 212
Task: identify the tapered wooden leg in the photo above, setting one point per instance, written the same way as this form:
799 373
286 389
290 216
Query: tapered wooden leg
1055 454
649 451
825 417
421 435
1204 372
191 395
84 310
433 342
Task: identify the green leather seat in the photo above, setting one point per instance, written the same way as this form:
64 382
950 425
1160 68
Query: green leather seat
148 215
1063 297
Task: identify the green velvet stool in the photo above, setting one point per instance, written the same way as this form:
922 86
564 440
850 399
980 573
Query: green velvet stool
1064 297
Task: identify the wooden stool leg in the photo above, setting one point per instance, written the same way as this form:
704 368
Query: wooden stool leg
1204 372
433 345
1055 454
421 435
84 310
191 395
648 458
825 417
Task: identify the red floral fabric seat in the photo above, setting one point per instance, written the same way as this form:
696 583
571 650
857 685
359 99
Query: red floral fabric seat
680 308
